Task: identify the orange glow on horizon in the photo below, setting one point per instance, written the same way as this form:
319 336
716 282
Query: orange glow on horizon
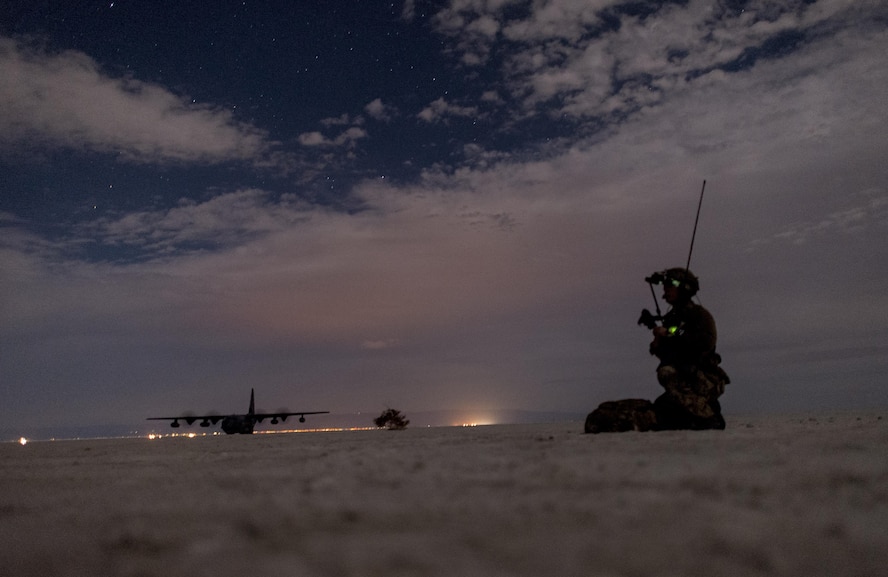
477 420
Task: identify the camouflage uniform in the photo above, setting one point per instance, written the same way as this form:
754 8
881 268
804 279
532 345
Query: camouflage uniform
689 370
622 415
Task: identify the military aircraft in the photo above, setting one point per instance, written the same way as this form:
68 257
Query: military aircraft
233 424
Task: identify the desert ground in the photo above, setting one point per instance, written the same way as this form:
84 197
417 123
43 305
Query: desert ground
771 495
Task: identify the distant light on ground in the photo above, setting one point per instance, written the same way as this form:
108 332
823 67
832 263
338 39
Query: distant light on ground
477 420
23 441
189 435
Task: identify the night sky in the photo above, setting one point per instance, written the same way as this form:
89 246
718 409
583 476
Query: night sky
350 205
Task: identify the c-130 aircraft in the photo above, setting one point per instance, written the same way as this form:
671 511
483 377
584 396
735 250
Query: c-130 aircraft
237 424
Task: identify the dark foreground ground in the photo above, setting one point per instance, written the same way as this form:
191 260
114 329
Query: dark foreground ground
801 496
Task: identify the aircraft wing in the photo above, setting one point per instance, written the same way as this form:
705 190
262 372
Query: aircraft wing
190 419
275 417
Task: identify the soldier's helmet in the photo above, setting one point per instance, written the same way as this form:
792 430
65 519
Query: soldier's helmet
683 279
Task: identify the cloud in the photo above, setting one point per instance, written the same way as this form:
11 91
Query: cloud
225 220
343 120
408 10
567 57
379 345
66 100
569 20
347 138
380 111
439 110
870 210
314 138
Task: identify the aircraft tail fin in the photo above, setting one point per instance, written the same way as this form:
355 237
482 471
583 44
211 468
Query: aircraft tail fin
252 402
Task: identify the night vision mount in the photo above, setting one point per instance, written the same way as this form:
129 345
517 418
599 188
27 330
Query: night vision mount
656 278
649 319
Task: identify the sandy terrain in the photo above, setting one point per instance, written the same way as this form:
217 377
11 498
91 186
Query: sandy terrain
799 496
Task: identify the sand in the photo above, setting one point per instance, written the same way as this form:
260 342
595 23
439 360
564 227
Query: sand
799 496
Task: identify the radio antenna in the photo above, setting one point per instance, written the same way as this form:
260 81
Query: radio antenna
696 220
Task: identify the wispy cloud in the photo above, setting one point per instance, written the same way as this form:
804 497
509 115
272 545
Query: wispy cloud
378 110
871 210
440 110
591 59
347 138
66 100
224 221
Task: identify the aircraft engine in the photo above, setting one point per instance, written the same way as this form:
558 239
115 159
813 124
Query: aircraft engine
175 424
301 418
274 421
205 423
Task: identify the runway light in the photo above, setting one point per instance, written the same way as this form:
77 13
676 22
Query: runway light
23 441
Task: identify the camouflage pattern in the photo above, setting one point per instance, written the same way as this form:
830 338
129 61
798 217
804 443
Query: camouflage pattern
690 400
689 370
621 416
689 373
667 412
694 391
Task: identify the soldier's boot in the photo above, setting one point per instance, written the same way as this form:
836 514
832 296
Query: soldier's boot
717 421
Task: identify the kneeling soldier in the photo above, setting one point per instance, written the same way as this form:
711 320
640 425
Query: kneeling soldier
689 368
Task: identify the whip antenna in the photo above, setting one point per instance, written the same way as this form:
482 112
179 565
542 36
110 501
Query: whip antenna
696 220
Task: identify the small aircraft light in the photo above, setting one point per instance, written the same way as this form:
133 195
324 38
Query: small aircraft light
23 441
